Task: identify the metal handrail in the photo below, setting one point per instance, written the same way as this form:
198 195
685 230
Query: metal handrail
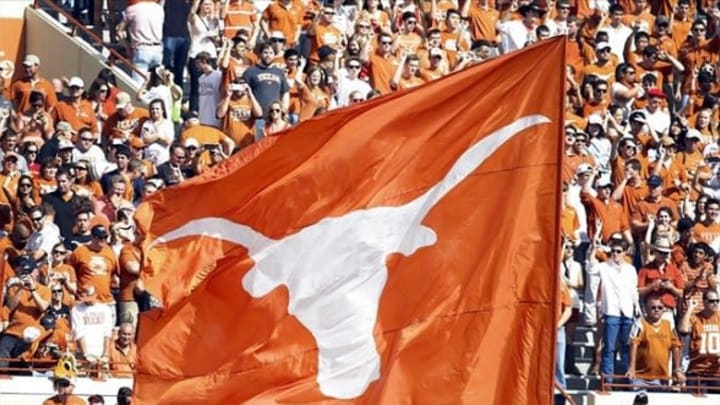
696 390
91 369
115 56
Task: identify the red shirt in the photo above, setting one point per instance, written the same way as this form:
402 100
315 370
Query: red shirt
651 272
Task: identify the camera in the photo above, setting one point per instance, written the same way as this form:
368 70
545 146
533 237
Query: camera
236 87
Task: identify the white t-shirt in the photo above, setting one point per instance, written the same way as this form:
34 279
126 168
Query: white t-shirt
94 323
157 152
514 35
95 156
346 86
209 89
202 34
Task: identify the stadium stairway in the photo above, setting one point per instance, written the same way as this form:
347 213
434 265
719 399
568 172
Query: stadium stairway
67 50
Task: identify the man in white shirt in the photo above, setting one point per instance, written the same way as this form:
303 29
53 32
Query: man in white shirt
92 325
45 237
515 34
657 117
143 26
86 149
617 32
350 82
617 303
209 90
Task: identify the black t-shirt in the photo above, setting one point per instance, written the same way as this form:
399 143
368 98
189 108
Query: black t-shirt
51 316
176 16
64 211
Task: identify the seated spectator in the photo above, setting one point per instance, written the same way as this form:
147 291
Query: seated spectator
56 327
124 396
27 301
704 330
662 279
96 400
652 340
92 325
123 353
176 170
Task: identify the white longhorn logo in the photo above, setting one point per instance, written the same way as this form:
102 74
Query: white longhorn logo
335 270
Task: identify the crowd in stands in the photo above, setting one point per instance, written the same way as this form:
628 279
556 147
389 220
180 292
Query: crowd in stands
641 174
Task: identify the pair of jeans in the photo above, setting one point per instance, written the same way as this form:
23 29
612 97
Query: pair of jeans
616 331
144 57
560 343
11 347
175 56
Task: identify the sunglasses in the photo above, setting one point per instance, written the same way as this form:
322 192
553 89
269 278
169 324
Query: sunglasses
386 42
191 148
102 90
31 151
411 22
717 301
274 110
601 90
698 29
353 66
564 8
36 219
364 26
657 308
11 160
180 157
59 252
57 291
25 185
605 50
357 100
86 139
37 105
618 251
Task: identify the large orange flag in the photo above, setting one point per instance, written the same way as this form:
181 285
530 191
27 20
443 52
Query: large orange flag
402 251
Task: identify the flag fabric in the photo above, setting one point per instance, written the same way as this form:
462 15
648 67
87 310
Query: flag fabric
400 251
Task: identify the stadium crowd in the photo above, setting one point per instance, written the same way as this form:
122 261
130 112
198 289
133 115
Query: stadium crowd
641 174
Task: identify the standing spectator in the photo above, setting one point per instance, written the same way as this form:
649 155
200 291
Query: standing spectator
123 353
284 16
349 81
76 110
381 62
661 278
617 297
81 230
241 15
483 19
64 201
87 149
62 274
204 37
175 170
124 396
704 330
275 119
652 340
96 264
157 133
565 311
21 89
268 84
92 325
160 85
209 90
176 37
27 300
129 262
572 276
35 124
515 34
239 109
46 234
143 26
125 122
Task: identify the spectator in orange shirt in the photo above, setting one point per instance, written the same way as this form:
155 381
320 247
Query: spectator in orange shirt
64 385
27 300
21 89
406 74
662 278
648 207
123 353
95 264
704 330
76 110
652 340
